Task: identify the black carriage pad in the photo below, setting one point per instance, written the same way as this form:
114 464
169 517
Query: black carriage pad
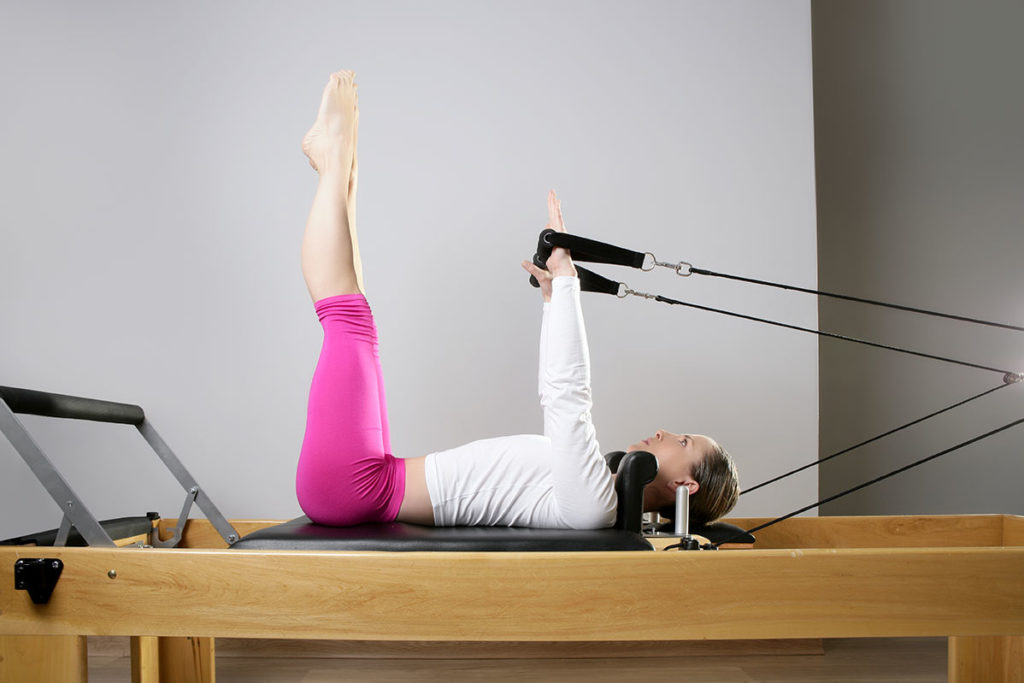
637 469
302 534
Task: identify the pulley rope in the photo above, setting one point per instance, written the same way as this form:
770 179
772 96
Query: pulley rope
664 299
871 482
873 439
847 297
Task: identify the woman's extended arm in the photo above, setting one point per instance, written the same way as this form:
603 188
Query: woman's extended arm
584 487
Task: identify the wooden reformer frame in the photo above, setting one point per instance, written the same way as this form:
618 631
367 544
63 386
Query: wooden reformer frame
952 576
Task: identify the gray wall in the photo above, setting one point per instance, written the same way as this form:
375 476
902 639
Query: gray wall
920 170
154 195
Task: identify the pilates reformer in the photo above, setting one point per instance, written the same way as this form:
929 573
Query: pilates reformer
806 577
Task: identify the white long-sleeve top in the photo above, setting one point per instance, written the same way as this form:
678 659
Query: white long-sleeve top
558 480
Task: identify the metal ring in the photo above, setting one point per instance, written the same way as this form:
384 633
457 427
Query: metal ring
679 269
654 262
623 290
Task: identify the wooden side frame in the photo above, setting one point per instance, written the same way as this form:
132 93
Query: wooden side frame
971 590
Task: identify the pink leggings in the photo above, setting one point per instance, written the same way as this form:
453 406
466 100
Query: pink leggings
347 474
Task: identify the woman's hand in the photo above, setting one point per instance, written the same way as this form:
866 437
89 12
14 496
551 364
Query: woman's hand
560 262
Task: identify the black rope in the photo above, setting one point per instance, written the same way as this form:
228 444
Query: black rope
871 482
831 335
873 439
846 297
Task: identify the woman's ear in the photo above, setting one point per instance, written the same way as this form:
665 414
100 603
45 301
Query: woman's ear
689 483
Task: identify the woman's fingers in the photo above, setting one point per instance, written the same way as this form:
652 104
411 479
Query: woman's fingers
555 212
555 221
535 270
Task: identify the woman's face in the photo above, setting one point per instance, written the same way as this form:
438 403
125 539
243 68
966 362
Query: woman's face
678 455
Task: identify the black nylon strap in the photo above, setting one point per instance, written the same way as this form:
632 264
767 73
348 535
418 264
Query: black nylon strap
588 250
589 282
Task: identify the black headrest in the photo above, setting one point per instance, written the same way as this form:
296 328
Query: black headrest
636 470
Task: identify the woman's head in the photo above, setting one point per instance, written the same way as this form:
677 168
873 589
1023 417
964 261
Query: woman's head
697 462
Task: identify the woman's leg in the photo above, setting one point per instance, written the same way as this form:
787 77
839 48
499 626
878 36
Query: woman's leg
330 250
346 472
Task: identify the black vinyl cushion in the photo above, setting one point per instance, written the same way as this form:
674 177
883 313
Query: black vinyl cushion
637 470
302 534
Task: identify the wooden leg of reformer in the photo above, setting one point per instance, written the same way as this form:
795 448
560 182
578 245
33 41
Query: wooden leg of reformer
177 659
145 659
43 659
993 659
184 660
188 660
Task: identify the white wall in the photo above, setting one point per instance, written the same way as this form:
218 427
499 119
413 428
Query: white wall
918 111
154 195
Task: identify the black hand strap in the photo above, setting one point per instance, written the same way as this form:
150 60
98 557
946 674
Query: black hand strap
587 250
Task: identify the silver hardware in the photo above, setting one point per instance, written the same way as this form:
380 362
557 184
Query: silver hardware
678 267
625 291
112 574
682 518
1013 377
190 497
200 498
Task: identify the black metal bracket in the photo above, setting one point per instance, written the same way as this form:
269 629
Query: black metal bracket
38 576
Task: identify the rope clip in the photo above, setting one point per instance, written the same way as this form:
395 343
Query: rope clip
678 267
625 291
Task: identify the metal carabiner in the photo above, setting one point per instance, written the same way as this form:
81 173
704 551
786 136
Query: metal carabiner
678 267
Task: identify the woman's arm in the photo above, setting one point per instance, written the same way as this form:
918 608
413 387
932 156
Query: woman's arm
559 263
584 487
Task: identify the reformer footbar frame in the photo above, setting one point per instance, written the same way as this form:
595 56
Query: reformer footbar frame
593 251
76 514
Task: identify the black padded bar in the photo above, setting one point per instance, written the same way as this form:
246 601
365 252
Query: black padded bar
638 469
30 402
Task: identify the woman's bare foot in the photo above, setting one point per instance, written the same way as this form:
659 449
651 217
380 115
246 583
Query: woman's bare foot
330 143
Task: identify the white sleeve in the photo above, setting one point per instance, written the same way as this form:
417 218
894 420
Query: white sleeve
542 371
583 485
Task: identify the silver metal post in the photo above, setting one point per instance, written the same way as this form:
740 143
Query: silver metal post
682 518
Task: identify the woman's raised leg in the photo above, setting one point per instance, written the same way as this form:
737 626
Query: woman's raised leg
330 250
346 474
